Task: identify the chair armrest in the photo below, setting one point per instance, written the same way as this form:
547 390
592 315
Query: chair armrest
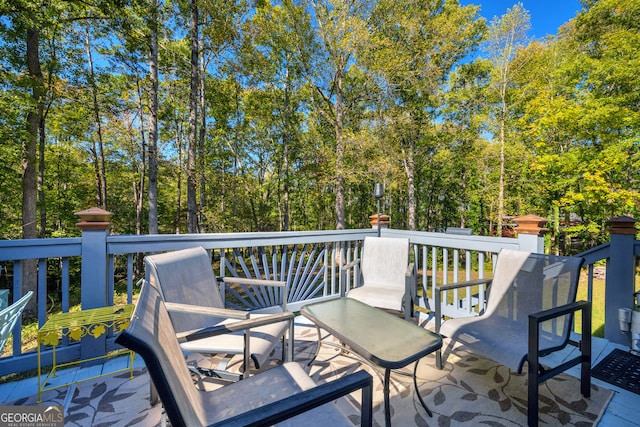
207 311
306 400
464 284
253 282
237 326
350 265
410 270
536 318
410 291
343 275
554 312
533 345
437 289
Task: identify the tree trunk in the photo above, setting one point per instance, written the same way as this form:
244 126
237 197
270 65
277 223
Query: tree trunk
35 123
42 205
178 214
201 142
411 185
340 148
502 124
285 156
192 219
101 179
153 120
139 192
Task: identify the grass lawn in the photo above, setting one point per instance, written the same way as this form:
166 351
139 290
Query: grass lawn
597 305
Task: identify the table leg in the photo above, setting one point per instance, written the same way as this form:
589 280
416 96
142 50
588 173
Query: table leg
39 374
387 410
415 383
317 347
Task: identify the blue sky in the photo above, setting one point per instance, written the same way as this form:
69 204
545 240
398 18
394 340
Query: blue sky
546 15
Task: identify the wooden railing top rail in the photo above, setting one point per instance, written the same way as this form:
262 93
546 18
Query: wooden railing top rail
120 244
457 241
14 250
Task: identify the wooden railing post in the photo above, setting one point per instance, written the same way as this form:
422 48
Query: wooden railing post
620 278
94 224
531 232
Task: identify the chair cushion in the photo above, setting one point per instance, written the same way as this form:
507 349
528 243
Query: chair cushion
382 297
263 341
269 386
186 276
384 262
524 283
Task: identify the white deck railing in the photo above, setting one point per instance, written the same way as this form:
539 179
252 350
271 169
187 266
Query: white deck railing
308 261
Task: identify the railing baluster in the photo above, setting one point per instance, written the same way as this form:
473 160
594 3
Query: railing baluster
309 270
481 289
130 278
111 272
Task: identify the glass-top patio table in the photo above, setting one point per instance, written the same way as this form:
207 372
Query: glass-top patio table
377 336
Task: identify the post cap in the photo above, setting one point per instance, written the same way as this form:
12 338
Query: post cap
623 225
94 219
385 220
530 224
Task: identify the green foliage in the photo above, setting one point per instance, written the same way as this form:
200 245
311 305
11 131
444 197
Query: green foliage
306 102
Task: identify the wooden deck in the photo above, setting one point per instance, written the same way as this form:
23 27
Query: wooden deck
622 410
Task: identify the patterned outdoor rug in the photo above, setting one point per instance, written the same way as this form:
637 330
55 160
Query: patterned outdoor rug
470 390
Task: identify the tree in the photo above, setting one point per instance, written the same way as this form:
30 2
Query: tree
273 56
25 23
506 35
98 150
418 44
192 210
152 151
464 114
343 34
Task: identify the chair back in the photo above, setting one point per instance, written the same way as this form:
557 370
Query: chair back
384 262
151 335
526 283
186 277
9 316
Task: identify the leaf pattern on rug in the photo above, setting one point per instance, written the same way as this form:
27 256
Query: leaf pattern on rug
468 390
560 400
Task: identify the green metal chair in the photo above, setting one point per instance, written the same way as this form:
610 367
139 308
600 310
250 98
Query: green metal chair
9 316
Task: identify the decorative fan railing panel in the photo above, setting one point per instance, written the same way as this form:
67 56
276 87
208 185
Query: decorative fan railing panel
303 266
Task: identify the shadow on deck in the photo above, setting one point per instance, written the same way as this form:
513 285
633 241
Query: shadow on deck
469 389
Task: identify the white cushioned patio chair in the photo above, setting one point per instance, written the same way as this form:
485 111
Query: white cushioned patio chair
9 316
284 395
189 287
386 279
529 314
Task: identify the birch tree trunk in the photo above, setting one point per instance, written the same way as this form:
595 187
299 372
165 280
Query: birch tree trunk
138 188
410 170
506 35
153 120
340 146
201 141
192 219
